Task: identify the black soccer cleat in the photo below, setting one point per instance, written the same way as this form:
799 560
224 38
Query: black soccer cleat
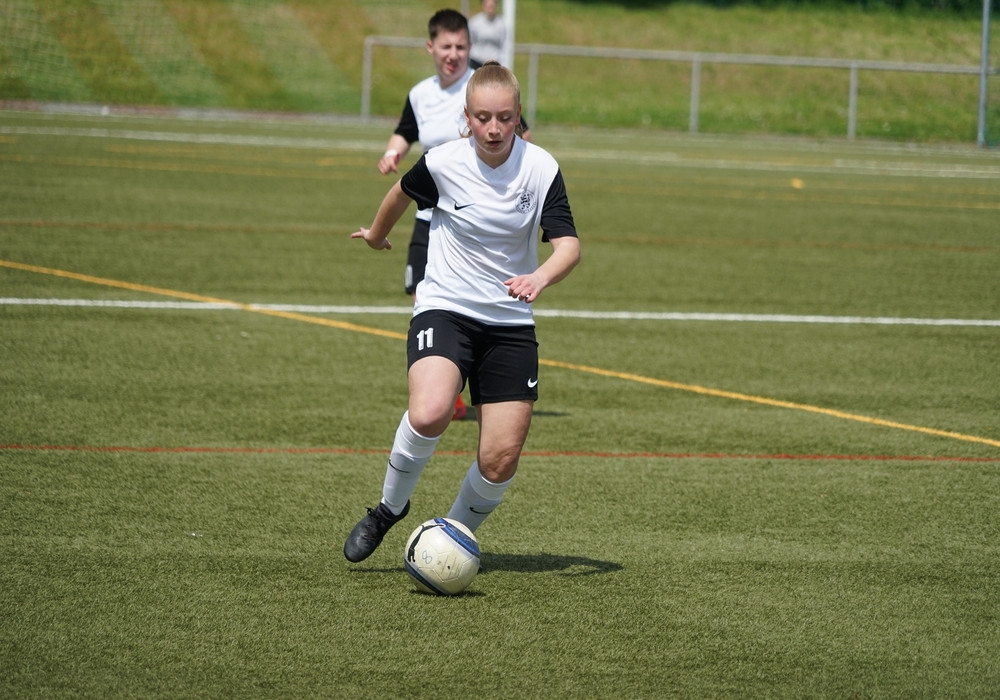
368 533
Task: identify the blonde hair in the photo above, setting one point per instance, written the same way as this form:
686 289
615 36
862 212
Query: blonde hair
493 75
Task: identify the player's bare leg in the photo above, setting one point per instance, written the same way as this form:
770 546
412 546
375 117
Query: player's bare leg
503 428
434 384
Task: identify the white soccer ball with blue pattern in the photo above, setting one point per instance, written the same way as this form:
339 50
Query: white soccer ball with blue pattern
442 556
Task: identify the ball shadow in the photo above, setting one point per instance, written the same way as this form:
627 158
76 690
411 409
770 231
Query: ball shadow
536 563
561 564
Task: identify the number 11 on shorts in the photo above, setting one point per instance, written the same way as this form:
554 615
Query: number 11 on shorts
425 339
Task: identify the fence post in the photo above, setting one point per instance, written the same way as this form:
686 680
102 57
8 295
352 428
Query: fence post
695 94
366 80
984 71
532 86
852 104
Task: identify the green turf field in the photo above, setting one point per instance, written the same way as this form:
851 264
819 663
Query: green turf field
765 461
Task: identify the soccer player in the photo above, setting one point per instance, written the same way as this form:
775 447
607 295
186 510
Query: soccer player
432 115
472 320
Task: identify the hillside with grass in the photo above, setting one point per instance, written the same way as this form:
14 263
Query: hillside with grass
307 56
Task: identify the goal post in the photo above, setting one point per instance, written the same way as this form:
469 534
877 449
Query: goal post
510 19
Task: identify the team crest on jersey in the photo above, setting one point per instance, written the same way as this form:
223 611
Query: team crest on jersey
525 202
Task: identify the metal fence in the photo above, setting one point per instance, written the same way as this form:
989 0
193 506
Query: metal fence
694 58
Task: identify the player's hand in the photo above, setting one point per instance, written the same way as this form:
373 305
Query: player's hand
388 163
523 288
374 243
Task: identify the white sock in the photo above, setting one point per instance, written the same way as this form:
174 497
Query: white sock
410 453
477 498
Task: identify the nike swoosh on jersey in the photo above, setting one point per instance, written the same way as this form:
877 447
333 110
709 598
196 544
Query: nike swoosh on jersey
462 206
532 383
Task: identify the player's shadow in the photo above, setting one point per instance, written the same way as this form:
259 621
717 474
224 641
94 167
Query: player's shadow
536 563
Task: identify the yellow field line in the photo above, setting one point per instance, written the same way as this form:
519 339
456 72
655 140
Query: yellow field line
736 396
694 388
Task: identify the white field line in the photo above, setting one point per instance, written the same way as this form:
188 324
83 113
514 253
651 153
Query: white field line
987 171
198 138
548 313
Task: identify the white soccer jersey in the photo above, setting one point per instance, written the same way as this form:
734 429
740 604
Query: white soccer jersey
439 112
485 226
434 115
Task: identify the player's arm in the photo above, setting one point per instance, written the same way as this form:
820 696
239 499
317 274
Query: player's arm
565 256
389 212
407 132
395 151
558 229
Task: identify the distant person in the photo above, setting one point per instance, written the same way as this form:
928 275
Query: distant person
488 34
492 193
433 115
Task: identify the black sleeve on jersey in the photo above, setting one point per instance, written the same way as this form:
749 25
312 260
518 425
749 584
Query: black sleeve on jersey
557 219
419 186
407 127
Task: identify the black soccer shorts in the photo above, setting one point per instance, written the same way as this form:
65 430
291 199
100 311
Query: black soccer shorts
416 255
500 363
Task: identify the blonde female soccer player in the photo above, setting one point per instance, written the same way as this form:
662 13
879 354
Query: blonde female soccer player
472 322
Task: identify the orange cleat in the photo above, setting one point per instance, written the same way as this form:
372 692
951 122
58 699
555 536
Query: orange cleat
461 410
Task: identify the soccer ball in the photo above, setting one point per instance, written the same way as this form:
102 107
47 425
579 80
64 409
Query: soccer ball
442 556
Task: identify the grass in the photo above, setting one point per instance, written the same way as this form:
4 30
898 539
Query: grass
306 56
706 507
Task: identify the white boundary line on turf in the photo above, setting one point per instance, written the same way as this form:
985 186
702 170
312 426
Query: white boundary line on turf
852 166
193 137
549 313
